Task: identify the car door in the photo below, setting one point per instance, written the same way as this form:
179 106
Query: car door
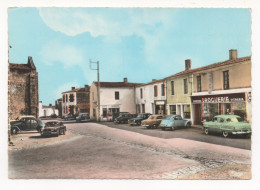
178 121
34 124
26 125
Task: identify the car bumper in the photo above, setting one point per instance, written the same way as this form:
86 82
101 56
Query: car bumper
241 132
48 133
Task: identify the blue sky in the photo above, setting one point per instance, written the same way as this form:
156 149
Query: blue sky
138 43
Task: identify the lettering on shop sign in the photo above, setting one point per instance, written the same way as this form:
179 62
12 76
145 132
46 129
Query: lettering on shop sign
215 99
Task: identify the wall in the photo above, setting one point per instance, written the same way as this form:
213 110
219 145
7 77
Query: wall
23 92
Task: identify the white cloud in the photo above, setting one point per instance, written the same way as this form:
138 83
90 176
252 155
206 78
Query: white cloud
55 51
64 88
104 21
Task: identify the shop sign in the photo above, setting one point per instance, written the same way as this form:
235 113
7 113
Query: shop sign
229 98
159 102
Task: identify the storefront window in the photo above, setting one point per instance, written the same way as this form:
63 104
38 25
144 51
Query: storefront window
239 109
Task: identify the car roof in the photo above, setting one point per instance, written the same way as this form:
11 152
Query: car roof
227 116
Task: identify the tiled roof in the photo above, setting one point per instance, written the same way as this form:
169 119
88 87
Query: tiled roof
117 84
52 107
75 90
152 82
20 66
228 62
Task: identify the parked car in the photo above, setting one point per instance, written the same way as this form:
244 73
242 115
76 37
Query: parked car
174 121
55 128
137 120
152 122
83 117
226 125
54 115
20 118
123 118
70 117
27 124
117 114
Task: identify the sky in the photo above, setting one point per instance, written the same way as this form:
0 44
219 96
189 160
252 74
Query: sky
138 43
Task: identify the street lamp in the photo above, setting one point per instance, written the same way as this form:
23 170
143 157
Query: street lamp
98 85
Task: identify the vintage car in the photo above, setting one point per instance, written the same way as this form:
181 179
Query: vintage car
116 114
20 118
83 117
227 125
152 122
53 128
174 121
69 117
137 120
27 124
123 118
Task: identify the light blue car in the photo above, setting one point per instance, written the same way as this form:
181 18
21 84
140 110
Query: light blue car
173 122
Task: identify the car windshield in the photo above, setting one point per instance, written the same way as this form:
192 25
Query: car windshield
167 117
40 121
51 123
152 117
235 119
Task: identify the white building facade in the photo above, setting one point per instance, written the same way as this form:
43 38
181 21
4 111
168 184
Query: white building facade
151 97
114 97
47 111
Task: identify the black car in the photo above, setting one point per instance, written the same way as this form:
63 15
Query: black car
27 124
137 120
83 117
117 114
70 117
123 118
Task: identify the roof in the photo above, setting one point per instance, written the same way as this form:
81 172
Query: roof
52 107
83 90
20 66
117 84
228 62
74 90
152 82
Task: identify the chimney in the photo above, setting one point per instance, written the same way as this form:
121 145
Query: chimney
125 80
50 105
73 88
187 64
153 80
31 63
86 87
232 54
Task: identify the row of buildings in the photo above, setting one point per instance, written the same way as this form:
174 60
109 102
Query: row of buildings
195 94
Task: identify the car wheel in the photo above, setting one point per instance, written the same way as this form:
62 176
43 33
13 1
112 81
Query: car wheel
148 127
64 131
188 125
206 131
14 131
225 134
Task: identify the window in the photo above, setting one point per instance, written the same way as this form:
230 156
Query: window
141 93
162 89
116 95
155 91
172 87
172 109
63 98
185 86
93 95
225 80
199 83
71 97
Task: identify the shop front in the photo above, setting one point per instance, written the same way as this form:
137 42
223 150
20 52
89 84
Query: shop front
208 106
160 106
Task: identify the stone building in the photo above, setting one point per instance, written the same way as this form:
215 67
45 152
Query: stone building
23 89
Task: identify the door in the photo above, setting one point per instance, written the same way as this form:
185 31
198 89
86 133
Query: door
34 124
197 119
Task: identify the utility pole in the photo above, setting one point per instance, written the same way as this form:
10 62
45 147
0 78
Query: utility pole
98 86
